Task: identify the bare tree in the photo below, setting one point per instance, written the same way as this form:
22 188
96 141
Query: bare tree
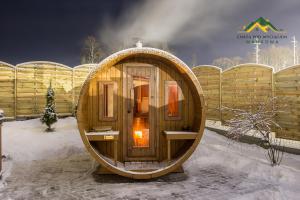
261 120
194 60
91 51
278 57
225 62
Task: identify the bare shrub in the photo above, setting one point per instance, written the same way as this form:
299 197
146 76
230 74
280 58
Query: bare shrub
259 120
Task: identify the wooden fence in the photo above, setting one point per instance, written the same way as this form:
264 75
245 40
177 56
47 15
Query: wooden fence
7 89
23 88
244 86
210 81
80 73
287 89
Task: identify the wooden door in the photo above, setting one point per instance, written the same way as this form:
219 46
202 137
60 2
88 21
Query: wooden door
140 95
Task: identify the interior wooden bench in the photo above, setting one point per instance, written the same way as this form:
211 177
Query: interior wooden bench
178 135
106 136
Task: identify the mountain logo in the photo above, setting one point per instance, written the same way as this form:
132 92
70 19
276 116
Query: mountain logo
260 24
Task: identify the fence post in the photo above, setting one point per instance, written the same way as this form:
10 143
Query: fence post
220 96
73 92
1 120
15 94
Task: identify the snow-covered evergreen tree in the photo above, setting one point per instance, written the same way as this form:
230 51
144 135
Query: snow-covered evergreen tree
49 117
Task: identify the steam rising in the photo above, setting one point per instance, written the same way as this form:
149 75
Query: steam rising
168 21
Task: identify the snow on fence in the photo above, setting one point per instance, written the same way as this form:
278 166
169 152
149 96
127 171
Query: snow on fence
23 88
244 85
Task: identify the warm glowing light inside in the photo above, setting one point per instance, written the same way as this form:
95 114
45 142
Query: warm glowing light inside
173 108
140 127
138 134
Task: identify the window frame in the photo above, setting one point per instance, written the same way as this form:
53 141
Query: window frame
101 104
180 99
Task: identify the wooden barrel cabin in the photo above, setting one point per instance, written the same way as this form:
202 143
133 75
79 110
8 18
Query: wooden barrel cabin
141 113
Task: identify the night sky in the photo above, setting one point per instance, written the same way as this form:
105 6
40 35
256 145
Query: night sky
54 30
51 30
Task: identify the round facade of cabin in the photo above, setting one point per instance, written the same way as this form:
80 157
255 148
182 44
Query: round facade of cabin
141 113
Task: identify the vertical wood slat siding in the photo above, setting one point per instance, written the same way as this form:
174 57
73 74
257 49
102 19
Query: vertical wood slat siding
287 89
110 74
7 89
168 74
115 73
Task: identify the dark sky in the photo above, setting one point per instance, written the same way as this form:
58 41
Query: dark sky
50 30
54 30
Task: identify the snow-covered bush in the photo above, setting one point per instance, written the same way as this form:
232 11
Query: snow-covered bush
261 121
49 117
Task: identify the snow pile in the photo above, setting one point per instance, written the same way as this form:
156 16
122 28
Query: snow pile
55 165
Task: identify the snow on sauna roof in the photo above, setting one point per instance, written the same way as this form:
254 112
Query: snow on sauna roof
116 57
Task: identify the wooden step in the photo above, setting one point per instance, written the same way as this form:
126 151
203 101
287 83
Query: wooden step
144 166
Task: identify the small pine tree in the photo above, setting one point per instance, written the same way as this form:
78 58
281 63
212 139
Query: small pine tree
49 117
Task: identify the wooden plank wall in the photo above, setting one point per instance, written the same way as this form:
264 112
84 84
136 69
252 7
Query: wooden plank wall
33 80
63 88
109 74
245 86
210 81
165 73
7 89
23 88
80 73
287 89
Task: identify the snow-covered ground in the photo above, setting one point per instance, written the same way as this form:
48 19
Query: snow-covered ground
294 144
56 166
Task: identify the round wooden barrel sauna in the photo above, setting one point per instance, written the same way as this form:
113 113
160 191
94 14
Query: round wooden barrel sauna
141 113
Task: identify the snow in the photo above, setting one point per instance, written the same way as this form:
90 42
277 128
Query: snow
285 142
28 141
55 165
